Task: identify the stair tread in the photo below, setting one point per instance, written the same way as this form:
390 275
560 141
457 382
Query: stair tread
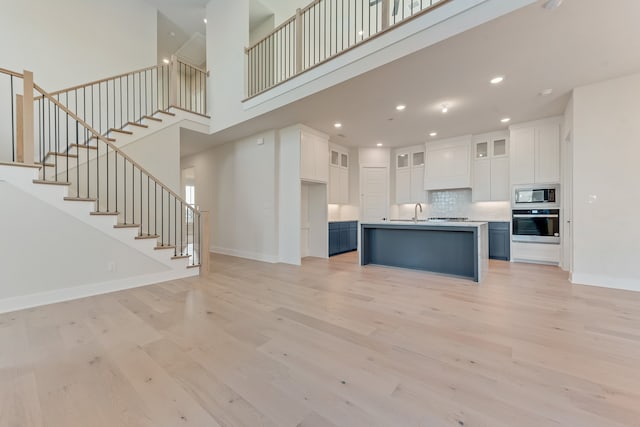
104 213
180 256
126 132
126 226
88 147
147 236
107 138
52 153
46 165
155 119
41 181
168 113
193 266
160 247
22 165
79 199
137 124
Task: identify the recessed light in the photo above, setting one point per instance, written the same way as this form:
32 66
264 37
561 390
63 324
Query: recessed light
546 92
445 108
360 33
379 144
401 107
205 20
505 120
166 61
337 125
433 134
172 34
496 80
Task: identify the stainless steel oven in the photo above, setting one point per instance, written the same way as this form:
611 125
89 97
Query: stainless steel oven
536 225
536 196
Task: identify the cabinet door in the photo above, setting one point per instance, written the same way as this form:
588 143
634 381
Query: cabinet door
547 164
344 238
353 236
307 161
403 185
500 179
334 241
522 155
334 158
321 160
343 188
418 195
481 181
334 184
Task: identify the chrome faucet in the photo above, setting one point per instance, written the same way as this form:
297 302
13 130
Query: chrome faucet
415 212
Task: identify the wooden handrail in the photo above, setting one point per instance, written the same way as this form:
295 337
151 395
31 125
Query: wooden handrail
97 135
11 73
275 30
103 80
194 67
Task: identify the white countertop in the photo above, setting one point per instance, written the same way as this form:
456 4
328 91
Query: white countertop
429 223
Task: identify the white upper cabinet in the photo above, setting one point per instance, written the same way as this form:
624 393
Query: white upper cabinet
490 167
314 157
535 152
448 164
338 175
410 175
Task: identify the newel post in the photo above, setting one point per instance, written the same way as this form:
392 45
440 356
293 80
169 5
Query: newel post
24 108
174 81
298 40
205 233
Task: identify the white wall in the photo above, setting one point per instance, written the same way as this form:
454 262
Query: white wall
227 37
237 183
46 250
69 42
289 196
606 175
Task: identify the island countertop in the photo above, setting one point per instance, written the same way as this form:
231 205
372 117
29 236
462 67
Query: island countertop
448 247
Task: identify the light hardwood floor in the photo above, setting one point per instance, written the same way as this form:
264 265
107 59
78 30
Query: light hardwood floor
329 343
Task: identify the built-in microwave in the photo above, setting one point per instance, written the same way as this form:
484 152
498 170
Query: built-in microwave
536 196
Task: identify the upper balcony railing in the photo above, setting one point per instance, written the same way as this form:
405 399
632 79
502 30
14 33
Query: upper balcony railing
321 31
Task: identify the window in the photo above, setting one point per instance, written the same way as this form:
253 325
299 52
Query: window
190 197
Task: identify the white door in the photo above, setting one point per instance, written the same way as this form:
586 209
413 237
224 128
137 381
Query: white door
374 193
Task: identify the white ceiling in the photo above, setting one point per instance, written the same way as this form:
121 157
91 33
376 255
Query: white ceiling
581 42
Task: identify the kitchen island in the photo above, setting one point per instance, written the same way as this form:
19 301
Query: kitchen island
458 249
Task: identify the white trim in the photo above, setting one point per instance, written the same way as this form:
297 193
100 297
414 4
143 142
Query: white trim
624 283
245 254
67 294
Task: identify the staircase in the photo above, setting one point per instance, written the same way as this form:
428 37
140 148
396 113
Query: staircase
80 168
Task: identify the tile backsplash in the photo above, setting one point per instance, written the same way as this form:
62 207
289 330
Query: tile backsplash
457 203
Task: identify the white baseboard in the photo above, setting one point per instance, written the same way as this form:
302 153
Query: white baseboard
623 283
244 254
67 294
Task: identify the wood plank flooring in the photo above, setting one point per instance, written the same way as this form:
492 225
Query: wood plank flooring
328 344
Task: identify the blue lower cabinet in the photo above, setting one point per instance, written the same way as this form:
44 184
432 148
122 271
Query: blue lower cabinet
343 237
499 241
